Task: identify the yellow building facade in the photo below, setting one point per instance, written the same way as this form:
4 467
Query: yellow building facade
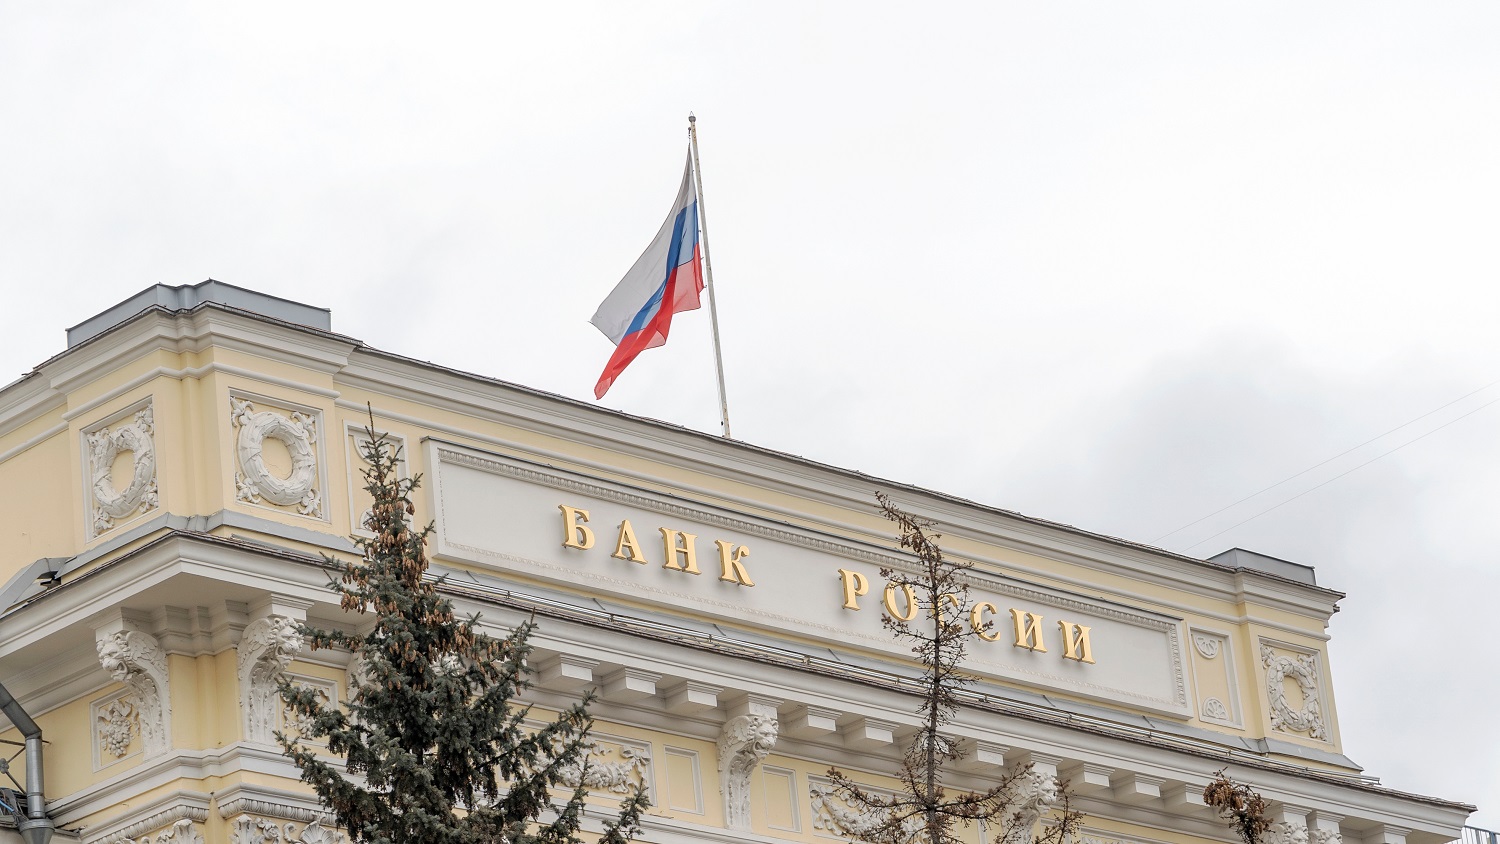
171 481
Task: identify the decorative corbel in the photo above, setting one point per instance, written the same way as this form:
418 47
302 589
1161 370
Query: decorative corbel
137 660
747 739
1032 794
266 648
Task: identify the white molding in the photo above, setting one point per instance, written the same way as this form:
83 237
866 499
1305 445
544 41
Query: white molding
229 761
696 452
158 814
258 569
251 798
27 445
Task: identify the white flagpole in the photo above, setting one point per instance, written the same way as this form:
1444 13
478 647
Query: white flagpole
708 270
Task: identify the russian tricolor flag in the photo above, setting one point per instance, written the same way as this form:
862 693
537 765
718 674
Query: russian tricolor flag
666 279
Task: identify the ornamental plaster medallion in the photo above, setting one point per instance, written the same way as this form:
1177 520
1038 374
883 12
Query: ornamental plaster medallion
136 659
745 741
615 777
112 499
1208 646
1303 670
266 648
256 484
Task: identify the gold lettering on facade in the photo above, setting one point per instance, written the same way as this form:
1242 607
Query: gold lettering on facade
679 544
628 543
951 600
855 585
889 599
1028 630
575 533
983 627
1076 642
730 567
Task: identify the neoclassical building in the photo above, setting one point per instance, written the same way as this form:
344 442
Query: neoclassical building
172 480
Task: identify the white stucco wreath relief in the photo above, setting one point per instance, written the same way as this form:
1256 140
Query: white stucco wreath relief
113 501
253 481
1303 670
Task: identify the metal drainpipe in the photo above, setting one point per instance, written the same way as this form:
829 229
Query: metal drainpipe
37 828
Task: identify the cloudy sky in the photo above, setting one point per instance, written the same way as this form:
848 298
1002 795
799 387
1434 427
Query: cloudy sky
1117 265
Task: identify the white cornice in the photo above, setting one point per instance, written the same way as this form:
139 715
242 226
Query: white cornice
232 760
692 451
355 365
144 573
204 327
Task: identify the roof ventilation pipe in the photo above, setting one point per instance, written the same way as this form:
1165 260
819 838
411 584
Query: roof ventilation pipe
35 827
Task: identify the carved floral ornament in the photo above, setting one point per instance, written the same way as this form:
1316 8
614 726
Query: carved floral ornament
1032 795
181 832
617 777
1303 670
253 481
833 816
115 726
1207 645
114 499
1215 709
253 830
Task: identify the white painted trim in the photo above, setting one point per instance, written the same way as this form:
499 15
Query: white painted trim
35 441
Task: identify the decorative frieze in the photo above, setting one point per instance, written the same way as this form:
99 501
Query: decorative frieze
181 832
617 769
254 482
248 829
266 648
137 660
745 741
169 819
113 499
833 817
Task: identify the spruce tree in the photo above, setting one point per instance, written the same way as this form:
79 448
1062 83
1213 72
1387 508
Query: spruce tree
437 747
925 809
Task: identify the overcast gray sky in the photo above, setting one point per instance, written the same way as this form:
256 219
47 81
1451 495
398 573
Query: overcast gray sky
1117 265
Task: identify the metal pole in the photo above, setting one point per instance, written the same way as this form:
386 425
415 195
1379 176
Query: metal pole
708 270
